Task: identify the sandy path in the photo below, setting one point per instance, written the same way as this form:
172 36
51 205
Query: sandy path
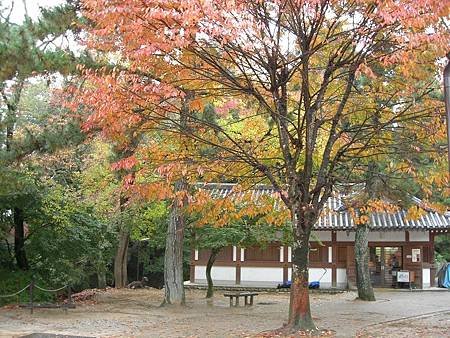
136 313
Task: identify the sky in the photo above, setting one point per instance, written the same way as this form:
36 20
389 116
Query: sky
18 12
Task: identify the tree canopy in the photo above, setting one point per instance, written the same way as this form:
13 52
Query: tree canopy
303 89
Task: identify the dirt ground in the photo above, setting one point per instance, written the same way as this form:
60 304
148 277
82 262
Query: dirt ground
136 313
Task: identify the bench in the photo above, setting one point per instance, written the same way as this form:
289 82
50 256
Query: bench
236 295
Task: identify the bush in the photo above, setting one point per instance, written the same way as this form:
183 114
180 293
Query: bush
13 281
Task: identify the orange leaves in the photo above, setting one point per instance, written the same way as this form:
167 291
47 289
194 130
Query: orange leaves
380 206
225 54
366 70
360 214
240 204
155 191
196 105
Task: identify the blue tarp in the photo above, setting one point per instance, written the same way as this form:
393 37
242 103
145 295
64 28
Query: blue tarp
444 276
446 283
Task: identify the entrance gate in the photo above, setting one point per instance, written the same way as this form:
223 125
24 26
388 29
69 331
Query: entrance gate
384 263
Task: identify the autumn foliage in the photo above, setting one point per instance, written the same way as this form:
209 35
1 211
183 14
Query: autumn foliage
298 94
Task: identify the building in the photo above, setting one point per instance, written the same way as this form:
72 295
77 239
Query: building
395 243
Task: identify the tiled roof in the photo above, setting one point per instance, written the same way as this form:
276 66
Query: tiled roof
335 216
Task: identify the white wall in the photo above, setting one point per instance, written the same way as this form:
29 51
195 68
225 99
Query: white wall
315 274
267 275
324 236
217 272
252 274
374 236
387 236
419 236
341 278
345 236
426 275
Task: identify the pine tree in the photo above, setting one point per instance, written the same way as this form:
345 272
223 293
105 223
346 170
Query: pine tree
29 50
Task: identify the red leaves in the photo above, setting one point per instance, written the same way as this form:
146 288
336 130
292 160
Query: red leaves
220 51
125 164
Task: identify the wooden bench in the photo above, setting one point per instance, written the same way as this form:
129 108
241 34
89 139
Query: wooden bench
236 295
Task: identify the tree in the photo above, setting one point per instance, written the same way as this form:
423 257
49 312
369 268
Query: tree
121 258
243 232
411 166
66 242
288 70
442 245
28 42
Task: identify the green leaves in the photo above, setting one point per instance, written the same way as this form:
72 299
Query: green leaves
33 43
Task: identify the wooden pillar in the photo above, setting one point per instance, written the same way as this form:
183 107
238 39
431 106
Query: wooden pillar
238 274
334 259
432 262
239 256
421 266
286 264
285 272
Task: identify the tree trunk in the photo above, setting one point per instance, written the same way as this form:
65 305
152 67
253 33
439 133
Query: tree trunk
299 308
173 259
365 290
101 278
121 260
10 122
19 239
209 265
101 272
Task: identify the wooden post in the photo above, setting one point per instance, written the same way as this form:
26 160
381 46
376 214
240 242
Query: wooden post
287 260
238 274
285 272
69 296
333 259
421 266
31 295
432 260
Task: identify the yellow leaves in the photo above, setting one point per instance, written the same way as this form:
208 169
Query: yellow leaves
361 215
415 213
380 206
358 220
277 218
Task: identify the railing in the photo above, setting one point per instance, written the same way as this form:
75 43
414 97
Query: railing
31 304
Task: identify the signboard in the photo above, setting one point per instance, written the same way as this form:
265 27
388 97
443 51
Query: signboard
403 276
